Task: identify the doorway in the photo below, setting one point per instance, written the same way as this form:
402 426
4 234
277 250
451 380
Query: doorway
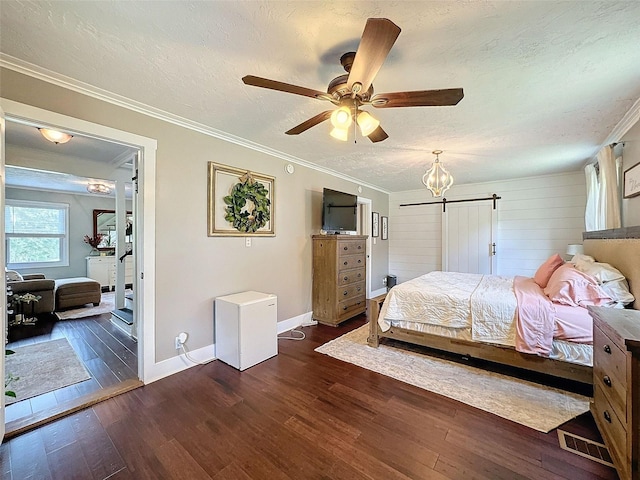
144 251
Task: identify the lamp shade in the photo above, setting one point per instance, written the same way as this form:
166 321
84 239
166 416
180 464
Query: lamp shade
574 249
341 117
55 136
340 134
367 123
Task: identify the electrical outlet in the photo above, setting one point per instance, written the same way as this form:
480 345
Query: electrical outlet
180 339
247 242
384 281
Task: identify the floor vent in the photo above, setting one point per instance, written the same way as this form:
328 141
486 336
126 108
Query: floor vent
584 447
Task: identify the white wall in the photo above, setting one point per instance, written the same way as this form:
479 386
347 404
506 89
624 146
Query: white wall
537 217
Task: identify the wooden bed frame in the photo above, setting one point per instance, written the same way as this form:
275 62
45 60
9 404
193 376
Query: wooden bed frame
607 246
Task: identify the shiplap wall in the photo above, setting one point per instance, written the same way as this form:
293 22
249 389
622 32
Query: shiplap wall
537 217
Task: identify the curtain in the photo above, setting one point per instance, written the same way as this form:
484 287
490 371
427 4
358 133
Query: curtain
609 197
591 217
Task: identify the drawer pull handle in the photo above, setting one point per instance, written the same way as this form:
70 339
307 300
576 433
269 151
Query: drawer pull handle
346 278
606 380
346 248
344 308
345 293
359 261
359 275
607 416
346 263
359 247
607 349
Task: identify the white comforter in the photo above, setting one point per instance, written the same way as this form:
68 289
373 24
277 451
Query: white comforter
485 303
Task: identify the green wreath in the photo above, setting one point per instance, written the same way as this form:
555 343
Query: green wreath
242 219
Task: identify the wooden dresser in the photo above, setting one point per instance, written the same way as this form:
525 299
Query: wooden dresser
616 389
339 277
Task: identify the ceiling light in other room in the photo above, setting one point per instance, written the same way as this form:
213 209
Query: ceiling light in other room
99 188
55 136
341 117
367 123
437 179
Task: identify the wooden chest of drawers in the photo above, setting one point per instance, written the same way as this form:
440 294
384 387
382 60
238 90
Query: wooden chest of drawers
339 277
616 385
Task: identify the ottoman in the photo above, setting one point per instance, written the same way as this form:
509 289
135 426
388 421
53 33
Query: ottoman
76 292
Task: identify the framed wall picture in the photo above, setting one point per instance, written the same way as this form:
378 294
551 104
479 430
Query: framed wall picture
385 228
375 224
240 203
632 181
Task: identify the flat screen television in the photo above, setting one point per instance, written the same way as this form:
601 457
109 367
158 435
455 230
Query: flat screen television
339 212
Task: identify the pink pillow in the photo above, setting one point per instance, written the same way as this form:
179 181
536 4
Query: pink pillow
570 286
544 272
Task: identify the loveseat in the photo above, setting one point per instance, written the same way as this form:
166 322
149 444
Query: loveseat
38 285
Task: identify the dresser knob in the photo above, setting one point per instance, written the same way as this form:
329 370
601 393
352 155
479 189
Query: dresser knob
606 380
345 293
344 308
346 248
359 261
607 416
346 279
346 263
607 349
359 275
359 247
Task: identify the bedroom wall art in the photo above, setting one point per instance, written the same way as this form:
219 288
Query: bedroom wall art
239 202
632 181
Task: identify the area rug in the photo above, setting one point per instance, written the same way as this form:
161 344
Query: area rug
536 406
43 367
107 305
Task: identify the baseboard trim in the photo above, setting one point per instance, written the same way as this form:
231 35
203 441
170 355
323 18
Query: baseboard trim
293 322
380 291
179 363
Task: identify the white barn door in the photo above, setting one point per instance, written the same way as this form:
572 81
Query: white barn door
468 238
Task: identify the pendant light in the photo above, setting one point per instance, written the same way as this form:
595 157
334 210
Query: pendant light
437 179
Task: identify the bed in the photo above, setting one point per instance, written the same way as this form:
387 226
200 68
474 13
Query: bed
491 331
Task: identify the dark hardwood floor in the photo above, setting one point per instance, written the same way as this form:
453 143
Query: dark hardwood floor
108 354
299 415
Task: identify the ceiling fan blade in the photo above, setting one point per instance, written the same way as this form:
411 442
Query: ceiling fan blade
282 87
377 39
421 98
312 122
378 135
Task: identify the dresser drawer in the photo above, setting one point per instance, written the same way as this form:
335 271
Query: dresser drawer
351 247
350 261
348 308
351 276
349 291
609 360
611 428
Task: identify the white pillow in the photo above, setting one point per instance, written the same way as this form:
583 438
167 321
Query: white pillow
618 290
602 272
580 257
13 276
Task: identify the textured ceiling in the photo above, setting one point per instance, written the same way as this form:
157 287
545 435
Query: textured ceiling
545 83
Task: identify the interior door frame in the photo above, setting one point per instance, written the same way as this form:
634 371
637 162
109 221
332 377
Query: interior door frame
364 224
144 202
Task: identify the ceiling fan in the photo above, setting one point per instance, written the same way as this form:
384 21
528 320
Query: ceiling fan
353 90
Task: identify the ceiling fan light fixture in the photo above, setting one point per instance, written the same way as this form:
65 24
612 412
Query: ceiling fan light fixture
367 123
341 117
98 188
437 179
340 134
55 136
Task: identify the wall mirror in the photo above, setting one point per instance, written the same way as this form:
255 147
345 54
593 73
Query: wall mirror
104 222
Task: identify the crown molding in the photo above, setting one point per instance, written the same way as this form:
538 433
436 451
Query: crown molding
624 125
20 66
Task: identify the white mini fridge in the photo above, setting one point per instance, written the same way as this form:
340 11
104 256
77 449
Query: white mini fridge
246 328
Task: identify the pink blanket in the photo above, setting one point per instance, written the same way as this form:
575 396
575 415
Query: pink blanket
540 320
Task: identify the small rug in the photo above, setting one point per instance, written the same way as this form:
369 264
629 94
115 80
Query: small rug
107 304
536 406
43 367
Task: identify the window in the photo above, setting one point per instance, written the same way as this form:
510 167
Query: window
36 234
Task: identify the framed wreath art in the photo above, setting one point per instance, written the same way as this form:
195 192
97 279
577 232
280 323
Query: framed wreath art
240 202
